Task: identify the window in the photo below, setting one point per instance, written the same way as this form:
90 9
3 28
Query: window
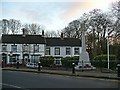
14 48
76 51
57 61
57 51
35 58
47 52
25 48
4 48
67 51
13 58
36 48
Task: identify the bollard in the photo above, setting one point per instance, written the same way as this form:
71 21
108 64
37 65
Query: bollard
82 66
73 68
2 64
118 66
17 64
38 66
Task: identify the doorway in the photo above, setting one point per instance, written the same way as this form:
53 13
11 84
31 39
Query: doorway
4 58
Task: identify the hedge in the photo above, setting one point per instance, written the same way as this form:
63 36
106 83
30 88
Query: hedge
101 61
67 61
47 61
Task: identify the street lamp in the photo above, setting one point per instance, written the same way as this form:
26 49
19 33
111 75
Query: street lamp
39 64
34 49
82 65
73 68
11 57
17 64
2 64
108 50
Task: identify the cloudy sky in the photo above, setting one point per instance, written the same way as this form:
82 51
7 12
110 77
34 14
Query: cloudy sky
53 14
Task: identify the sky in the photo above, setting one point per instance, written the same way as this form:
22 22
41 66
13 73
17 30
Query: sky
53 14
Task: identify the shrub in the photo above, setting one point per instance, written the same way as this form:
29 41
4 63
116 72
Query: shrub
102 61
67 61
47 61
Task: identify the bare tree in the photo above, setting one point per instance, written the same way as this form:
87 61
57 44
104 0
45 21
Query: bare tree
67 31
4 26
51 34
34 28
14 26
74 28
116 16
99 24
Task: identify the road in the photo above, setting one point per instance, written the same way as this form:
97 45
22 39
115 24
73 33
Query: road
23 80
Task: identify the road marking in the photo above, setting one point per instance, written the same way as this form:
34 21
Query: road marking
13 86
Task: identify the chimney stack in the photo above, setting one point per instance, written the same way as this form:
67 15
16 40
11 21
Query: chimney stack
62 35
24 32
43 33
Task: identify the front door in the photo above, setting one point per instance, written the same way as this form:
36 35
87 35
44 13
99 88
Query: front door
26 58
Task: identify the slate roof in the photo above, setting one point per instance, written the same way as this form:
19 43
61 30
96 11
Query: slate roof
38 39
19 39
63 42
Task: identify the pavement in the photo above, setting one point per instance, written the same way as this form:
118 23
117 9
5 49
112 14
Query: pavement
91 73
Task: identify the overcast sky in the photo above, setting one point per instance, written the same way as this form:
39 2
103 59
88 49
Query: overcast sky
53 14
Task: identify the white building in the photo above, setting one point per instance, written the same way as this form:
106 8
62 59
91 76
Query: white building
29 48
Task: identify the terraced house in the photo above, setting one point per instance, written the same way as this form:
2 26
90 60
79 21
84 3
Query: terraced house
29 48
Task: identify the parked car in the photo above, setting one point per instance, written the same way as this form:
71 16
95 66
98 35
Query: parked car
32 65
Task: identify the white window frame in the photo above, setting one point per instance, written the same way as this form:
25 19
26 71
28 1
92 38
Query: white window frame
36 48
57 51
25 48
68 48
47 50
4 46
76 49
14 47
57 61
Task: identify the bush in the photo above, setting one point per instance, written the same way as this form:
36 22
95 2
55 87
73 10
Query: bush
47 61
101 61
67 61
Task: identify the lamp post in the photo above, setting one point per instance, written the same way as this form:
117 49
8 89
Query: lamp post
17 64
34 51
39 66
2 64
24 35
82 65
108 50
73 68
11 57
